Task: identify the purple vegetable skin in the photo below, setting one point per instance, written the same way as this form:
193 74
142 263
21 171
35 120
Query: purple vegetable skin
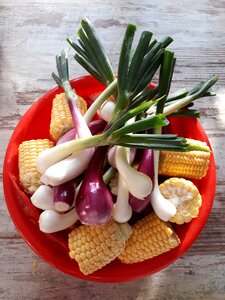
146 166
64 195
94 201
95 127
68 136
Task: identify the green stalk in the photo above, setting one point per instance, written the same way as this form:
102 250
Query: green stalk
177 95
146 62
98 50
138 57
189 113
70 94
145 95
109 174
91 54
140 125
111 89
89 68
79 50
152 44
95 59
165 78
166 41
152 141
150 72
123 97
63 72
66 149
188 99
130 114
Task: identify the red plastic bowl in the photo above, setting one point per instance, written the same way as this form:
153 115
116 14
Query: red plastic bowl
53 247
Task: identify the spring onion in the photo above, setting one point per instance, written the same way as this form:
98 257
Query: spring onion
51 221
85 154
112 155
95 127
106 110
64 196
139 184
162 207
146 166
94 200
118 133
122 210
91 54
43 198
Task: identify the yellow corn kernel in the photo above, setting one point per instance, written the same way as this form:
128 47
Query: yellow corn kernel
185 196
192 164
27 153
61 118
93 247
151 237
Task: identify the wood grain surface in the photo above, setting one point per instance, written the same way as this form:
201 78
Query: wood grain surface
32 33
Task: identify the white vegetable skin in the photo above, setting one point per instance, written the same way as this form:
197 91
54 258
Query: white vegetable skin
51 221
139 184
99 101
163 208
68 168
43 198
106 110
122 210
51 156
112 155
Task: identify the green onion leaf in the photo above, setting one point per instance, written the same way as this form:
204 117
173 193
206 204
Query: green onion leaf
89 67
123 97
190 113
141 125
165 77
138 57
98 50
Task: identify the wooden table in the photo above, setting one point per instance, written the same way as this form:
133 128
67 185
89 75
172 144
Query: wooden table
32 33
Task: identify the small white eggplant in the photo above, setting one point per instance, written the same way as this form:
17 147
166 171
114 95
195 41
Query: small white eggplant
51 221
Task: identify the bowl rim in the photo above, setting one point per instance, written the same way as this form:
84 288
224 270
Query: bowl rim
30 240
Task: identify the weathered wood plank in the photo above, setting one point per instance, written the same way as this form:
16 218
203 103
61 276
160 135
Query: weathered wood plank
195 277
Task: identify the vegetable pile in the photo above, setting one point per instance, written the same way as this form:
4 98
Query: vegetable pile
101 176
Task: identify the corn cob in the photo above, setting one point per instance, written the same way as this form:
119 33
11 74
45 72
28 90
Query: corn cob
185 196
61 118
93 247
151 237
28 152
192 164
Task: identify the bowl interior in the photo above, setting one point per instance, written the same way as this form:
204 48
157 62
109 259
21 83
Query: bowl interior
53 247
